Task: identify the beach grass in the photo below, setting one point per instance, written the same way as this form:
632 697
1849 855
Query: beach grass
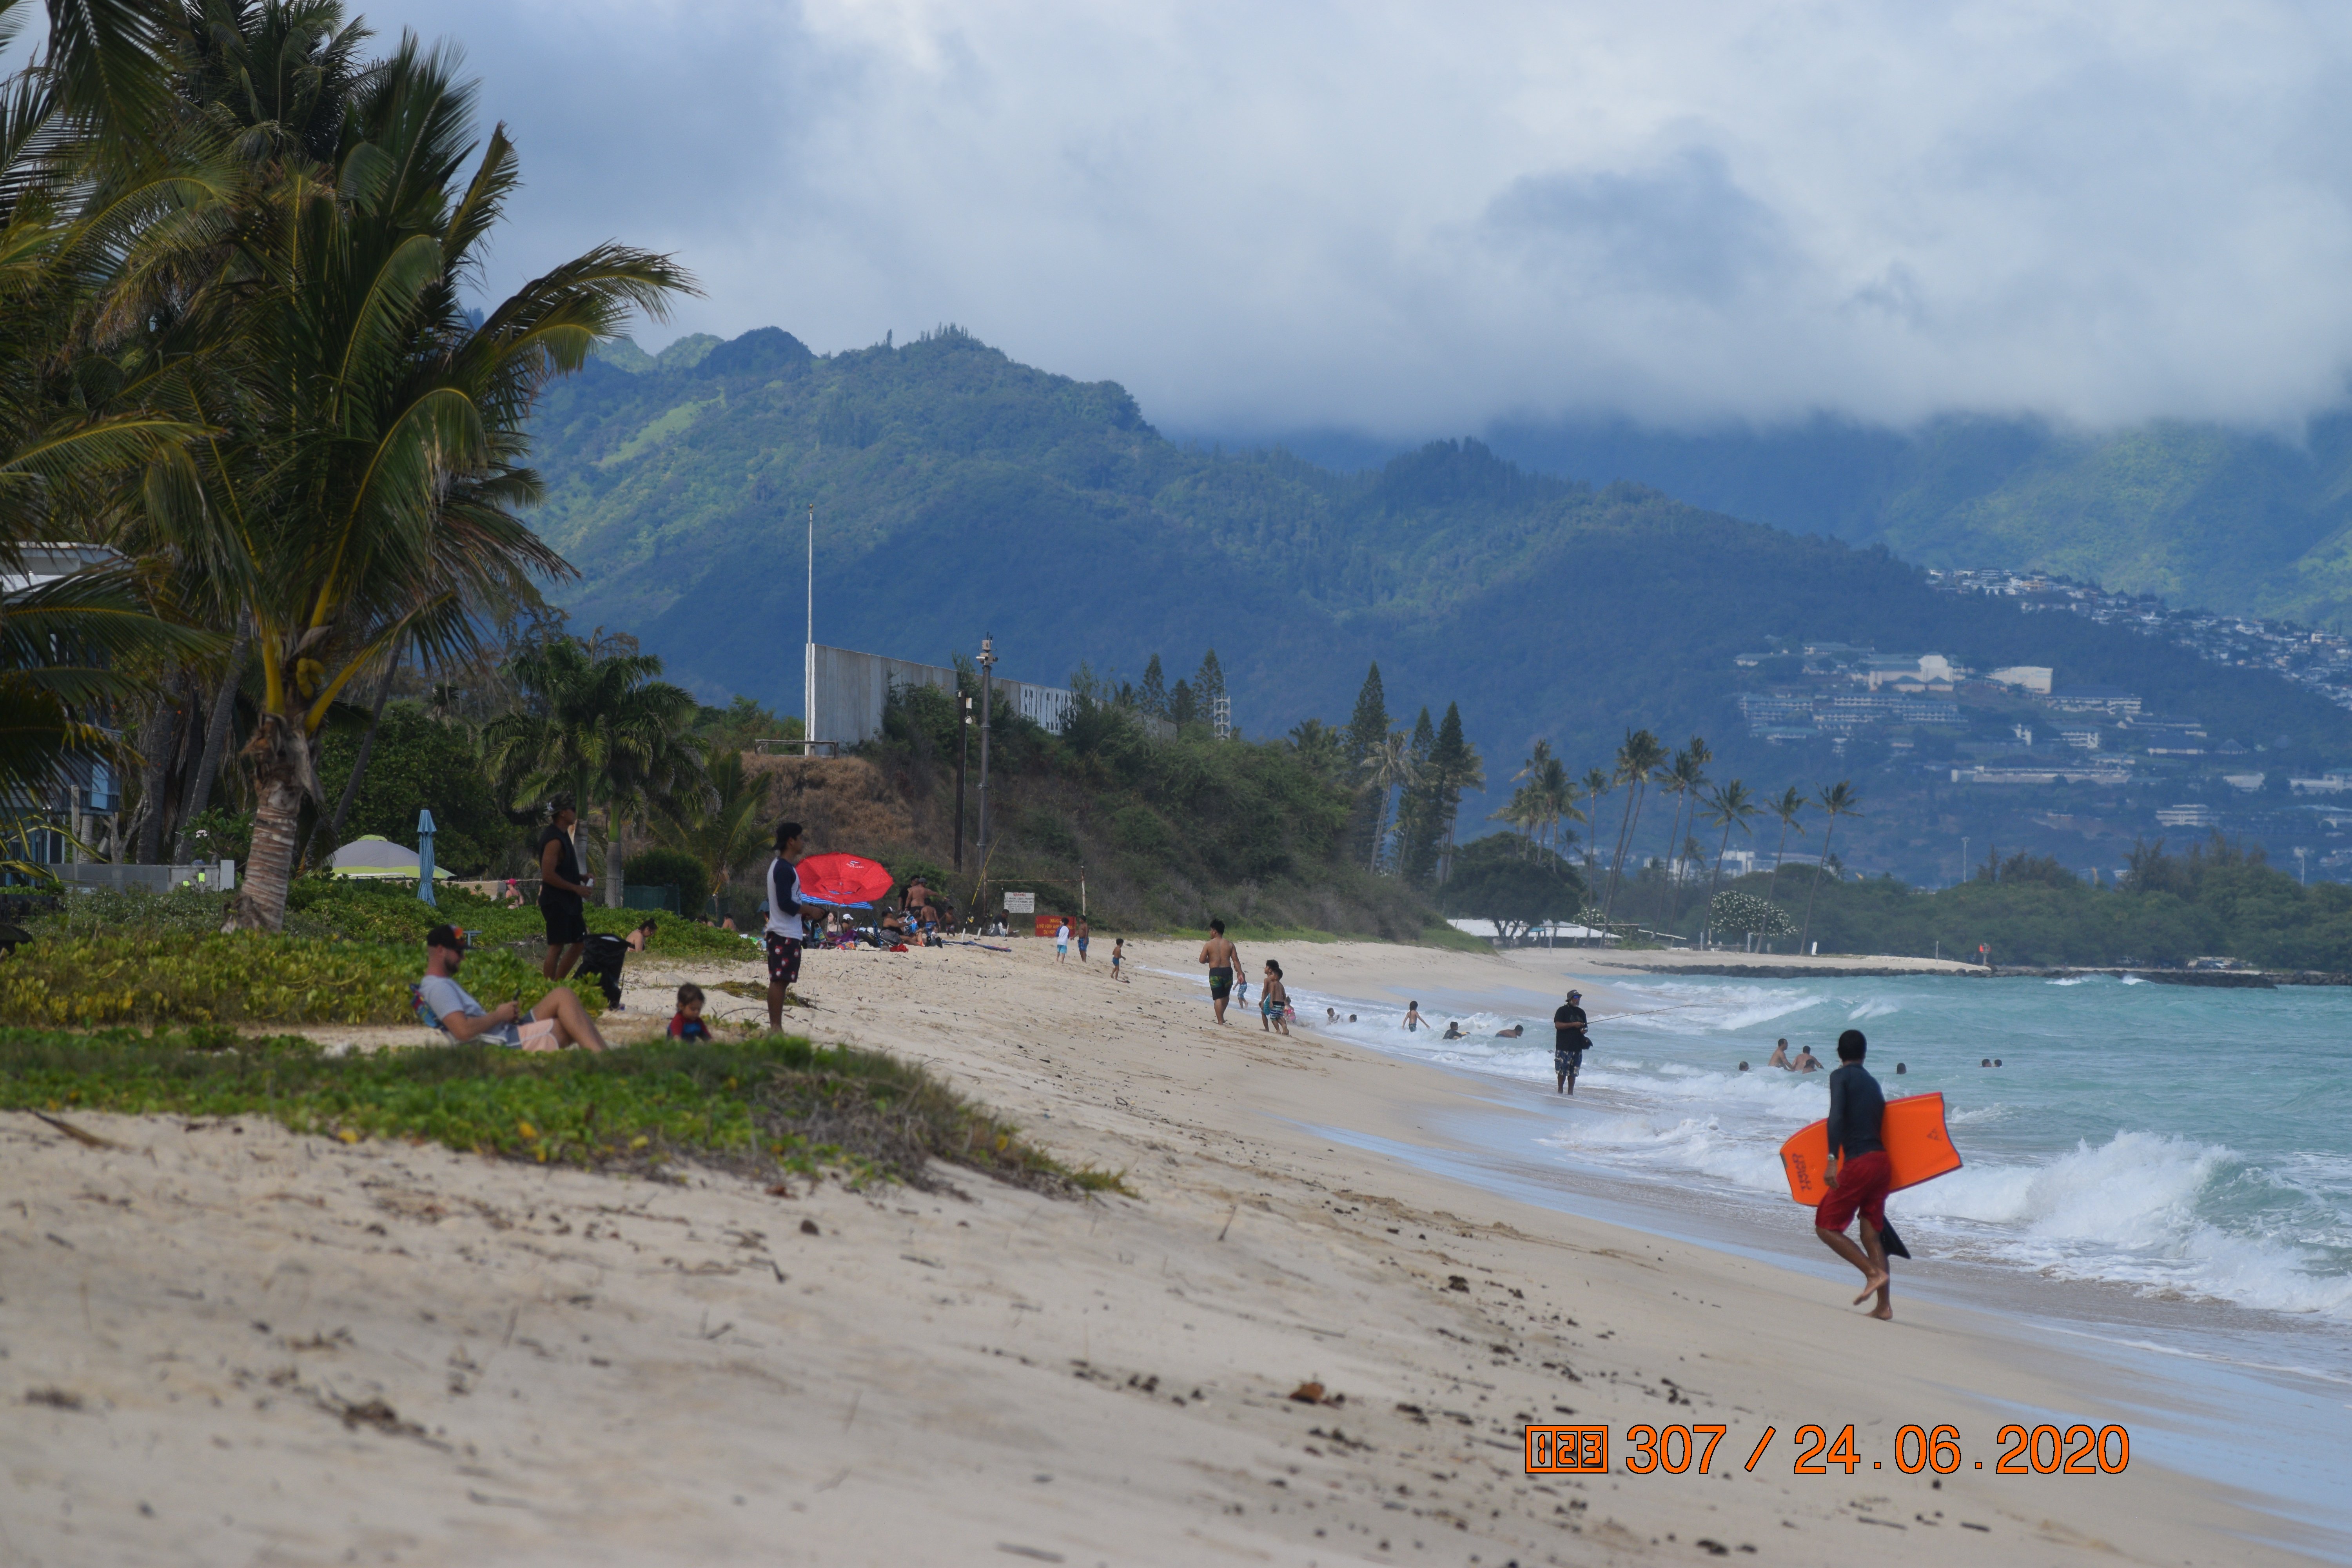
768 1108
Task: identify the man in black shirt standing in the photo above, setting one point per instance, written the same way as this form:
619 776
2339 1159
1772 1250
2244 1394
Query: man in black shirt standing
1858 1172
1568 1042
563 889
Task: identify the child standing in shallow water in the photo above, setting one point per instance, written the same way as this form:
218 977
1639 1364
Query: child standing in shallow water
1273 1000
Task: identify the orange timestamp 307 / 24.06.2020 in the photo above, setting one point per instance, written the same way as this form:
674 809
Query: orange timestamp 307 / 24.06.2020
2039 1451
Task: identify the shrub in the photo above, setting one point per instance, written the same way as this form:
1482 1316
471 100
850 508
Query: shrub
777 1104
1745 914
671 868
150 977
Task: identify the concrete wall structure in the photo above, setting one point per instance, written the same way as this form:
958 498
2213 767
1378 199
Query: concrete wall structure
851 688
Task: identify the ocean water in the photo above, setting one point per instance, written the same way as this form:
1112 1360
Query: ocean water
2178 1144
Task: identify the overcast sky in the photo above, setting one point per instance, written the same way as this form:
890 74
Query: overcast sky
1411 219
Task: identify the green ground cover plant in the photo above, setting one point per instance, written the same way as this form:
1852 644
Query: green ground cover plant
332 909
176 976
765 1108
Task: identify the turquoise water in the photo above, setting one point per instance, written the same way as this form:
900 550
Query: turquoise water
2179 1144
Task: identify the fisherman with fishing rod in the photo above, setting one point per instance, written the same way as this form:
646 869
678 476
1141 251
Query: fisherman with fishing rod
1569 1041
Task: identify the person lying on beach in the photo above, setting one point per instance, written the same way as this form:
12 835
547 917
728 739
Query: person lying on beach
1781 1057
1513 1033
1273 1001
1858 1173
1806 1061
1223 958
1412 1019
558 1021
1453 1029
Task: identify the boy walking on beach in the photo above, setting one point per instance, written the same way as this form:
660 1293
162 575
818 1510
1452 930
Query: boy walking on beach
1223 958
1119 958
1569 1041
1858 1172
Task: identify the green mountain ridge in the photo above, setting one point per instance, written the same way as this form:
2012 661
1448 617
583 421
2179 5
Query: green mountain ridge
959 493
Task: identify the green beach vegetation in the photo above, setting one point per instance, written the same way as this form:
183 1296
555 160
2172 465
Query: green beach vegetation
770 1108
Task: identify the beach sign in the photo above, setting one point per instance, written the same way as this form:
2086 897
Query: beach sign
1020 903
1918 1146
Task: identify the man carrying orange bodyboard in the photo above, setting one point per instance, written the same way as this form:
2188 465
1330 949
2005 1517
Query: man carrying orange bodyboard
1858 1171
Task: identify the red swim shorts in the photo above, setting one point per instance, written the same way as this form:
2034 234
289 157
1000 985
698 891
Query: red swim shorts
1862 1184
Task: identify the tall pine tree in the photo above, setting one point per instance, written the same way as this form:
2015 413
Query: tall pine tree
1455 766
1209 687
1153 695
1370 727
1182 707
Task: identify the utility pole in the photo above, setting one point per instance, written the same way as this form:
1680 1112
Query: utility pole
964 748
808 660
987 711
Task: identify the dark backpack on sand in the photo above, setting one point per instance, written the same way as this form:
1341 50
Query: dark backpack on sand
603 957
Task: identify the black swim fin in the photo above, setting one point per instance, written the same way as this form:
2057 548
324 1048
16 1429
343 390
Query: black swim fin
1892 1242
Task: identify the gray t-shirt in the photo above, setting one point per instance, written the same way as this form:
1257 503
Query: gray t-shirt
444 997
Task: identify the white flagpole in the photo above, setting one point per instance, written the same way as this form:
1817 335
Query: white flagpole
808 662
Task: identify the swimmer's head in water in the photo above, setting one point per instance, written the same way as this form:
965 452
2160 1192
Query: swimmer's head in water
1996 1061
1743 1067
1900 1069
1850 1045
1986 1063
1784 1044
1352 1017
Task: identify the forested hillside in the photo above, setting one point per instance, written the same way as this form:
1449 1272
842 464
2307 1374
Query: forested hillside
2246 521
959 493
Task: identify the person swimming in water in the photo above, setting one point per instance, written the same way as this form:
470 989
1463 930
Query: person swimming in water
1779 1057
1806 1061
1453 1029
1412 1019
1513 1033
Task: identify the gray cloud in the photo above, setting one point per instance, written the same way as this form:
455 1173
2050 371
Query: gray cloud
1413 219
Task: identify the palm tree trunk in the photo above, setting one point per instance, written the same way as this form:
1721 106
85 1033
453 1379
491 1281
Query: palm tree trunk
1808 931
1673 858
1617 859
215 738
616 851
1638 794
1715 882
283 775
163 741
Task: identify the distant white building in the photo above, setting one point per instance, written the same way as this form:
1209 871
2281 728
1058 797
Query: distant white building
2034 677
2188 816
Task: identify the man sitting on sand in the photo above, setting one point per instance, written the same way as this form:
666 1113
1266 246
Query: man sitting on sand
1858 1173
1223 958
558 1021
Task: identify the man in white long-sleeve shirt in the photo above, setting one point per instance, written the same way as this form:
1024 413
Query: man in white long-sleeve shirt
784 931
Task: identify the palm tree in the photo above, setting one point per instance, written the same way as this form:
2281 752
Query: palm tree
1637 758
1594 786
378 446
1557 794
1390 767
1729 806
596 724
1838 800
1684 779
88 169
1788 808
722 830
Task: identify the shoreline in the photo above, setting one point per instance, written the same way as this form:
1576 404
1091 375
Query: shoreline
579 1368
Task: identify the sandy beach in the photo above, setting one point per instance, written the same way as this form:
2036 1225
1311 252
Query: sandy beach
221 1343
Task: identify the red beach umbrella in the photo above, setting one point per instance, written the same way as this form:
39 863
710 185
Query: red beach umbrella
847 881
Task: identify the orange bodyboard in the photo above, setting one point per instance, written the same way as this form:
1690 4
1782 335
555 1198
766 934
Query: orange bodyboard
1918 1146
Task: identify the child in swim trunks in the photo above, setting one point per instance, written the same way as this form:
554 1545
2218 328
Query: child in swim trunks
1273 1000
1118 959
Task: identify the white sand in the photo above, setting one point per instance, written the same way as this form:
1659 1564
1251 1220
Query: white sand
286 1351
